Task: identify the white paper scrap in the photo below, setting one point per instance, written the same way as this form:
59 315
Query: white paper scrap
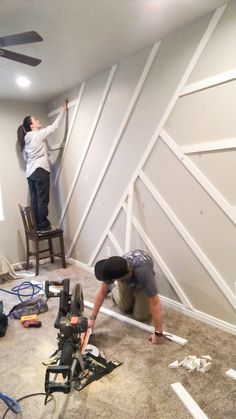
174 364
231 373
208 357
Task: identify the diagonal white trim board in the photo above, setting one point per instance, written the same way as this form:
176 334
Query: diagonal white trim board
209 82
206 36
215 275
78 101
168 274
89 140
226 144
117 139
132 322
115 243
200 177
188 402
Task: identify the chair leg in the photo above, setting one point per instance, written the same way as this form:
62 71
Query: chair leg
51 250
27 254
62 250
37 257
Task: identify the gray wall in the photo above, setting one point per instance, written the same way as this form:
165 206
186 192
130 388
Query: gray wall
174 216
129 134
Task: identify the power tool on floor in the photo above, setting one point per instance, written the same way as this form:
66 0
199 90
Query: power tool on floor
73 364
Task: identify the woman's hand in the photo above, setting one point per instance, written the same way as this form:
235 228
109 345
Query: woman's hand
65 105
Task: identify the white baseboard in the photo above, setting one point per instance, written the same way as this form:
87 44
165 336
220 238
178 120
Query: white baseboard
199 315
195 314
21 265
80 265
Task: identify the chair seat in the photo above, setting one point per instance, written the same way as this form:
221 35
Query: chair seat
31 234
46 234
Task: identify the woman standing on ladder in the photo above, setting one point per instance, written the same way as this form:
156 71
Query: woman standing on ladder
32 140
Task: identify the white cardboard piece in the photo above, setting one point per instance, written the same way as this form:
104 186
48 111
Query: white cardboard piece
174 364
231 373
193 363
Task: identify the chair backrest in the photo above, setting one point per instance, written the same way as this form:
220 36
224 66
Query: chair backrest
28 219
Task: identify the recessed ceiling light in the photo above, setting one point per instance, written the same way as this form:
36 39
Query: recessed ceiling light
22 81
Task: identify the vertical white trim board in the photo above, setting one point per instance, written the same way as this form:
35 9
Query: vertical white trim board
206 36
117 139
78 101
57 110
132 322
188 402
89 140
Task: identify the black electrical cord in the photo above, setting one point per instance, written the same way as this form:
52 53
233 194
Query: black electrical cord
26 397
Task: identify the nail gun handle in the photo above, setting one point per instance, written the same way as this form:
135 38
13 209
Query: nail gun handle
57 285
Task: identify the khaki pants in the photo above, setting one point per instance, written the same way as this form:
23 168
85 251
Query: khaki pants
129 300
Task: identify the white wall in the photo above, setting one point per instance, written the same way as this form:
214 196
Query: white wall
14 186
141 127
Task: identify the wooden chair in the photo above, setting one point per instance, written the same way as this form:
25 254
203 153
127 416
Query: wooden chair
35 236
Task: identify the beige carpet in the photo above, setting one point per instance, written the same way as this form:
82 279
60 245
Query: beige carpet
140 387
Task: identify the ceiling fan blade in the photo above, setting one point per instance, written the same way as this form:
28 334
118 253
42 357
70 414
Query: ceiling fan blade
20 38
25 59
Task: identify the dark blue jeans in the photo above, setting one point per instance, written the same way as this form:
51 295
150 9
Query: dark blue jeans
39 187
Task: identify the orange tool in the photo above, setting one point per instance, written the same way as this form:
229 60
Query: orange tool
84 339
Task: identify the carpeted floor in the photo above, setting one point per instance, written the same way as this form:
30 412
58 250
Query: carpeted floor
140 387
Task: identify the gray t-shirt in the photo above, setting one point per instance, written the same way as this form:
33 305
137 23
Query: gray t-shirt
143 275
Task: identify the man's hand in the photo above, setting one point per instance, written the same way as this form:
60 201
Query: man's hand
156 340
91 323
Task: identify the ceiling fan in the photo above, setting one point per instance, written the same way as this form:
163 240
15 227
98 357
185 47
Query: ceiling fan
18 39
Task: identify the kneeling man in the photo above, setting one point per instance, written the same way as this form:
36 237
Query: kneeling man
136 288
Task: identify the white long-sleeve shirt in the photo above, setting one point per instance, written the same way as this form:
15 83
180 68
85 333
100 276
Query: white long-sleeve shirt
35 152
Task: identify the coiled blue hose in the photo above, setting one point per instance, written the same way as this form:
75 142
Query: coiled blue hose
11 403
17 290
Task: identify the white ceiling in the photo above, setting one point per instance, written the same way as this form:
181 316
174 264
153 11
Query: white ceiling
83 37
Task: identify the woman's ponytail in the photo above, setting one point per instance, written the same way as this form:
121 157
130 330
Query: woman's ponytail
21 137
22 130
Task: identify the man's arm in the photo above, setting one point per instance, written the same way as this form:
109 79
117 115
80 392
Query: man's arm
100 297
156 312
